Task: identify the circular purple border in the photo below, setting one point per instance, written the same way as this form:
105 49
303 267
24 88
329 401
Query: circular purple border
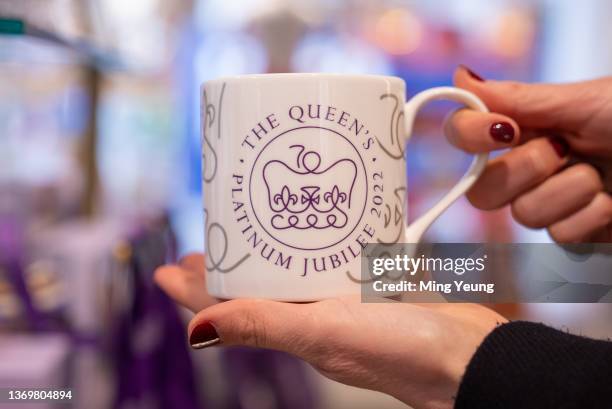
364 171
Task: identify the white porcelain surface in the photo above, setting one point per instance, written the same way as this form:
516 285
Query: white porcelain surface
299 172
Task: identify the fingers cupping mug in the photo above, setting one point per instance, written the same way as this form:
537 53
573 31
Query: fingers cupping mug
300 172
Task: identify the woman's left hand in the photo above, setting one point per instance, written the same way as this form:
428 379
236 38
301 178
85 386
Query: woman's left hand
558 173
414 352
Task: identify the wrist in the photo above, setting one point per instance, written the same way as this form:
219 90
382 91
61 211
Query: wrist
454 361
437 387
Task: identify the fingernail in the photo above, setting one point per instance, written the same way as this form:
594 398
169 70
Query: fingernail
204 335
502 132
472 73
600 170
560 146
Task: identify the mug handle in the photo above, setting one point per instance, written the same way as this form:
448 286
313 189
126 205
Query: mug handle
416 229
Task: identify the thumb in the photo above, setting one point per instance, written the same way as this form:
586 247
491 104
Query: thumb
256 323
552 106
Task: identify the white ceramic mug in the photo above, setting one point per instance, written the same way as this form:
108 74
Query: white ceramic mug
300 171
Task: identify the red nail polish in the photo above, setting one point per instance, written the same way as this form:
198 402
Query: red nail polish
560 146
204 335
502 132
600 171
472 73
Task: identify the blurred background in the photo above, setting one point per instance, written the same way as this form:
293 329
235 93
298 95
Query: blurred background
100 171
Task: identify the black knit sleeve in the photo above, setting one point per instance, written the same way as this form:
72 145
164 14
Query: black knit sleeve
527 365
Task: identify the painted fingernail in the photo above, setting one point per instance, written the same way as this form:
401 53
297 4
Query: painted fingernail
204 335
560 146
502 132
600 170
472 73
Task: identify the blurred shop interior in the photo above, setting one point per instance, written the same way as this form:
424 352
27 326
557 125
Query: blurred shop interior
100 171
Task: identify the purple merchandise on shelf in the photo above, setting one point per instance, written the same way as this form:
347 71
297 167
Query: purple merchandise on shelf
153 365
255 374
11 259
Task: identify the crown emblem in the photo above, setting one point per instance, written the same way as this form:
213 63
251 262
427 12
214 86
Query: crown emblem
317 197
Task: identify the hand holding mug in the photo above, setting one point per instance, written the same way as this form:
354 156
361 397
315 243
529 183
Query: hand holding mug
414 352
418 353
558 174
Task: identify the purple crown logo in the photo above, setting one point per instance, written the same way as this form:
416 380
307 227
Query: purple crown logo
317 197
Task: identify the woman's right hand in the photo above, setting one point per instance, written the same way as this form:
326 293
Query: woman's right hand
558 174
